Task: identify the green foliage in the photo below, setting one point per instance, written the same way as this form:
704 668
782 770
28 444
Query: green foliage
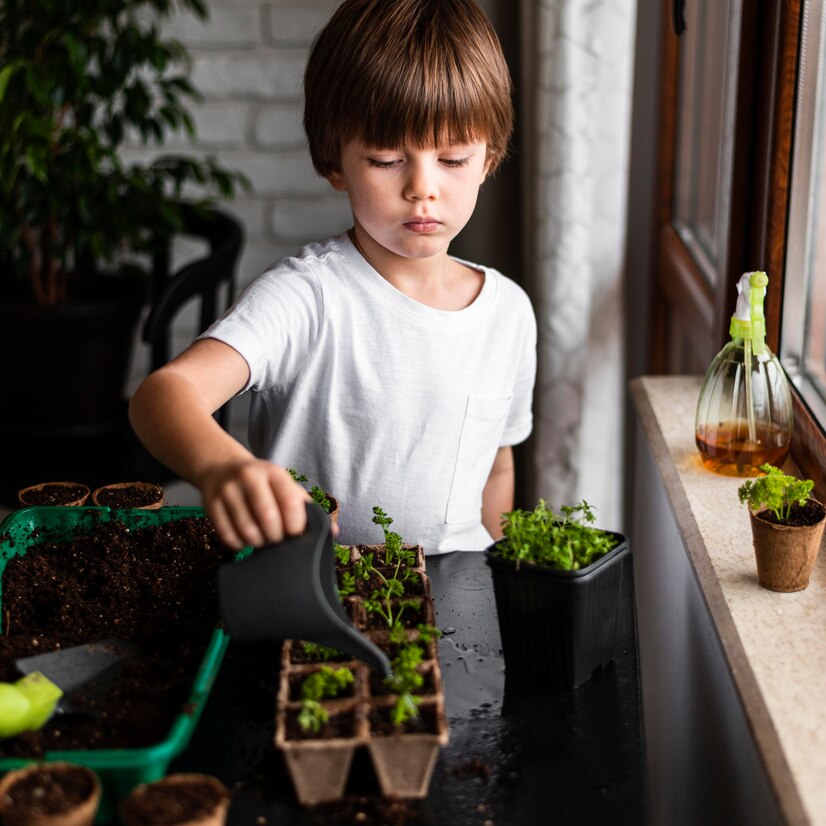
394 552
318 652
563 541
776 491
297 477
312 716
79 78
318 496
321 498
323 684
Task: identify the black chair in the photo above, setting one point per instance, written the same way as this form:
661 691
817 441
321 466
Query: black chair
201 279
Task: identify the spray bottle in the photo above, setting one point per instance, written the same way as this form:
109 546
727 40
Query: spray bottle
744 413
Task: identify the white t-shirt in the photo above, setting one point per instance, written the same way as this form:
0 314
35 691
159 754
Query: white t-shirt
381 400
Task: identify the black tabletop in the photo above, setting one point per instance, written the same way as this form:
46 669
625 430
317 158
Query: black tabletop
519 755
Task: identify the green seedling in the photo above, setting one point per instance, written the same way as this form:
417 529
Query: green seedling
320 653
326 683
318 496
565 541
776 491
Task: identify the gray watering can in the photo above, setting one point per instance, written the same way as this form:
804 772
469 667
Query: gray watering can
287 590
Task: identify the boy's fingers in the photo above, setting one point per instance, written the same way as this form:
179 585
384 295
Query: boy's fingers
242 517
223 525
292 501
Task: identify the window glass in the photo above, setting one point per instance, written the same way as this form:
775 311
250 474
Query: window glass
803 331
705 124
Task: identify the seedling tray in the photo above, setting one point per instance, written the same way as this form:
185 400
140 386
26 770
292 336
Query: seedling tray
119 769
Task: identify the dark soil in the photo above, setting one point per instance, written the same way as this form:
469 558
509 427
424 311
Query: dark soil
369 811
381 724
48 791
153 586
167 804
55 494
298 656
130 496
809 514
339 725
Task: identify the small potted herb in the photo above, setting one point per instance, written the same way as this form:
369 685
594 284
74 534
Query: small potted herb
556 580
786 527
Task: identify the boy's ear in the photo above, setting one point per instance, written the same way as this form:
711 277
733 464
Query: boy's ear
337 181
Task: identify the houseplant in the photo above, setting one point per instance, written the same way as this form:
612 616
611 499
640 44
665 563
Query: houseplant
556 580
786 526
79 78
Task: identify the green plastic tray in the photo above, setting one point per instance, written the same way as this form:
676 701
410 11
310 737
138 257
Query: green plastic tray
119 769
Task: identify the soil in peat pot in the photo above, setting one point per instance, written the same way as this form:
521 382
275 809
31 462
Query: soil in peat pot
54 493
129 496
153 586
175 800
48 790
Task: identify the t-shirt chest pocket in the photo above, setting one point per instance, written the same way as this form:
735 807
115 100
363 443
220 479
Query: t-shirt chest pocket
482 430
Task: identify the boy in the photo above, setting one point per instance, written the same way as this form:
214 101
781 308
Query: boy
384 370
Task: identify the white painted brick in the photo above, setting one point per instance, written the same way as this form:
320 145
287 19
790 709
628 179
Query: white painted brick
297 26
263 76
252 214
236 28
311 220
279 173
279 126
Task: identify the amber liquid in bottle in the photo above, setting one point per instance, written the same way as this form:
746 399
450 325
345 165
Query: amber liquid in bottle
726 448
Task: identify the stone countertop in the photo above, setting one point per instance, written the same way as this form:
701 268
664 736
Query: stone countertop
775 643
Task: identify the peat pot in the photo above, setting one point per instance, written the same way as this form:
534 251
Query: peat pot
558 626
49 794
785 554
184 799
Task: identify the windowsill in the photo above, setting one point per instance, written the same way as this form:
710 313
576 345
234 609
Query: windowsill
774 644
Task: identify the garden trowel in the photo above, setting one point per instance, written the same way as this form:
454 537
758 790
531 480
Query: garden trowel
52 679
287 590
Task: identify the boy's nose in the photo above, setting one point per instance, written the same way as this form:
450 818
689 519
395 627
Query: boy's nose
421 185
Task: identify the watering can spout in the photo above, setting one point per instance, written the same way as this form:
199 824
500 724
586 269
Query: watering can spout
288 590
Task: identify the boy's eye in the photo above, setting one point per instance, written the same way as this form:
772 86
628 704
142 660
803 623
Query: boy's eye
382 164
455 162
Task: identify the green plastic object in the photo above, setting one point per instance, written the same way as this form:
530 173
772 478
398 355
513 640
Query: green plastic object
27 704
119 769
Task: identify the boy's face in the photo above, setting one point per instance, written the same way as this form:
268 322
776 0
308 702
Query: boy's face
410 203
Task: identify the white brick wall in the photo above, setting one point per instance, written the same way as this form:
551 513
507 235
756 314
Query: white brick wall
248 63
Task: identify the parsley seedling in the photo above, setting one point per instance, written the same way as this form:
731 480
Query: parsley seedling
563 541
776 491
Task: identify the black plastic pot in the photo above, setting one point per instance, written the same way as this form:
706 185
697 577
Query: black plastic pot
558 626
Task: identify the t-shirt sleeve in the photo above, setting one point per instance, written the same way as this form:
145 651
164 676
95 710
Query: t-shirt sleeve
274 324
520 416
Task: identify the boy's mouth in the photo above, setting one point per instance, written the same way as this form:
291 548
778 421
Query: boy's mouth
423 225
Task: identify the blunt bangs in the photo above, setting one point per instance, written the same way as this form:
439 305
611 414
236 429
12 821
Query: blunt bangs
396 72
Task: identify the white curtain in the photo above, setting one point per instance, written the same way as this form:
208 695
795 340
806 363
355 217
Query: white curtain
577 81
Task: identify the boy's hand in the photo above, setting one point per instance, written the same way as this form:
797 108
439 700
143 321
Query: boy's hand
253 502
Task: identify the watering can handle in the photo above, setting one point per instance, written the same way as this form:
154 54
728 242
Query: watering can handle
288 590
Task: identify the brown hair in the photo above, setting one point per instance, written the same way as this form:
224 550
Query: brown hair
389 72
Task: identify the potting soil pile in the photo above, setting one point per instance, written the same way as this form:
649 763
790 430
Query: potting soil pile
153 586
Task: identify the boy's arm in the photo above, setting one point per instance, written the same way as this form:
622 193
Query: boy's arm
249 500
497 497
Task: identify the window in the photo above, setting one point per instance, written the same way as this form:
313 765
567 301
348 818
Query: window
803 336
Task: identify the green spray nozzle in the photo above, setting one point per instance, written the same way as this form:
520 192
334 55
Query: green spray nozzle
749 321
